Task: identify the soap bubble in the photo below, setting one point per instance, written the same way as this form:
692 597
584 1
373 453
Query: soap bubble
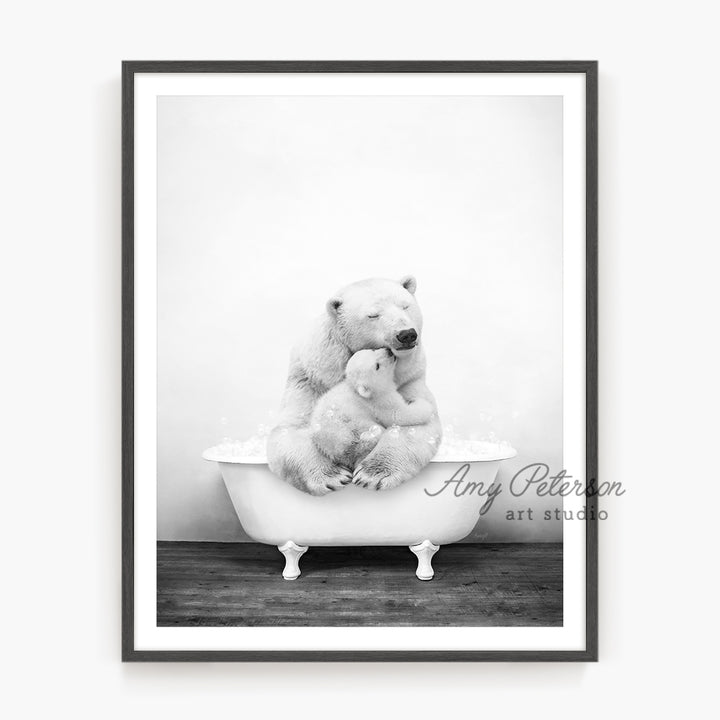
455 447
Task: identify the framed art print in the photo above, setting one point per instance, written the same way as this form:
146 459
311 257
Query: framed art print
360 361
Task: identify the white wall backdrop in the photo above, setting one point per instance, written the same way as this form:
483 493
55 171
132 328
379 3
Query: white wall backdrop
267 205
60 365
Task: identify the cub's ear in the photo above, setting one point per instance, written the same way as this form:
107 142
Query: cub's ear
333 306
364 391
409 283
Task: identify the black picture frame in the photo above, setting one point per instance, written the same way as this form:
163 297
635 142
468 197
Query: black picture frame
129 69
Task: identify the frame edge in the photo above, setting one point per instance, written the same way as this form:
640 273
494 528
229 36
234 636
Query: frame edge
127 361
129 69
591 356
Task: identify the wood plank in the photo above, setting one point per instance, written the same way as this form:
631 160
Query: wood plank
224 584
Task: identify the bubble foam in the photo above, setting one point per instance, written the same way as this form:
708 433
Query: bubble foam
452 448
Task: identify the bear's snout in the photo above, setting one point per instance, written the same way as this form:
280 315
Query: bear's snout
407 337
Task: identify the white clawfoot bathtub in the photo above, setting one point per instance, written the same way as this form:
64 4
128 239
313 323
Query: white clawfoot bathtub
424 513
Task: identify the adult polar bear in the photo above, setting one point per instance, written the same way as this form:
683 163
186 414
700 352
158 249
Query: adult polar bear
369 314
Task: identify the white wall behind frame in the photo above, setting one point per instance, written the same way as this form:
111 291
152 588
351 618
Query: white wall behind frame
61 218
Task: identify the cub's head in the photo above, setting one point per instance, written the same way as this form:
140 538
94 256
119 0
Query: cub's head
371 373
378 313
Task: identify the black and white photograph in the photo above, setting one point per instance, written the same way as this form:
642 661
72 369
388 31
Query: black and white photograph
344 403
363 302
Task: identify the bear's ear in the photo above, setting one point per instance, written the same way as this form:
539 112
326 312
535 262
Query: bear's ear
363 391
409 283
333 306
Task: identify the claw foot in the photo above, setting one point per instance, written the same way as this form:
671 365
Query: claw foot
292 553
425 551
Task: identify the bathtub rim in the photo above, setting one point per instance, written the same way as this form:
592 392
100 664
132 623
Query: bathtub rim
211 456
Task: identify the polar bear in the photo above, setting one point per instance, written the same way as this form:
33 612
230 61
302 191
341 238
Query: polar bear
369 314
348 419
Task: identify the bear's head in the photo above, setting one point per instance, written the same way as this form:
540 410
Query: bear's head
371 373
376 313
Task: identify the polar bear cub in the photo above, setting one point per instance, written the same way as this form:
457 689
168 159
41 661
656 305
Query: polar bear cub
349 419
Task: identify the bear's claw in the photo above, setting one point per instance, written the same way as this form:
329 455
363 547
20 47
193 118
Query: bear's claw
365 479
339 481
377 476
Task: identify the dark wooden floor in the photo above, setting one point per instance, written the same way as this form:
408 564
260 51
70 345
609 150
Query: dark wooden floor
224 584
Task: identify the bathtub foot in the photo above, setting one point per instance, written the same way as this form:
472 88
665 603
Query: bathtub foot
425 551
292 553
